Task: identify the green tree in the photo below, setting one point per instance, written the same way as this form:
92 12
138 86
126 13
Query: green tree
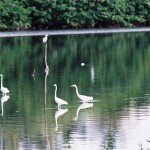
59 14
13 15
40 12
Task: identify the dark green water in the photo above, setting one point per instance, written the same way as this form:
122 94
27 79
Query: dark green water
116 73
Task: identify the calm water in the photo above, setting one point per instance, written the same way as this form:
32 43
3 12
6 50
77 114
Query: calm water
116 73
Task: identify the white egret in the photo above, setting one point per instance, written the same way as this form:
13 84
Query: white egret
58 100
45 38
82 97
82 106
59 113
3 89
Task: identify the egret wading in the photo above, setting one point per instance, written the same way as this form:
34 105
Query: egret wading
45 38
58 100
82 97
3 89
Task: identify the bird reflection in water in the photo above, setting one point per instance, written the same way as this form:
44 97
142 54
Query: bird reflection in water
59 113
82 106
4 98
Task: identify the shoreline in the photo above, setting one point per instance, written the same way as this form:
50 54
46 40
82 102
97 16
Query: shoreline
72 32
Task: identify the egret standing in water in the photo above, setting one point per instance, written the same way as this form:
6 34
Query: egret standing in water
3 89
82 97
45 38
58 100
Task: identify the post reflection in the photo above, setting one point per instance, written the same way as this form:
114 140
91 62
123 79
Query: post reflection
82 106
46 132
4 99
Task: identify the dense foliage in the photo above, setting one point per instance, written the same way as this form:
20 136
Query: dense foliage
48 14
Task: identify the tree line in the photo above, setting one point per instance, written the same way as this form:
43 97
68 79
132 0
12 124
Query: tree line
60 14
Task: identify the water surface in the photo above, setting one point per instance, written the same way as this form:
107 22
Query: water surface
115 72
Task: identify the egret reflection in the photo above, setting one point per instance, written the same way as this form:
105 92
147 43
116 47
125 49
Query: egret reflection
4 99
82 106
59 113
3 89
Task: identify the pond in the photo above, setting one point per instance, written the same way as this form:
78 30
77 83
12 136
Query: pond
114 68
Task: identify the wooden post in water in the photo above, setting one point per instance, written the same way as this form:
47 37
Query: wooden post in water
46 74
47 67
45 90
